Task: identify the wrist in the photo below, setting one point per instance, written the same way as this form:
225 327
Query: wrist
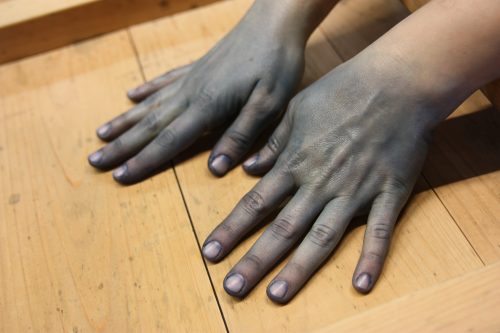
444 51
382 73
293 20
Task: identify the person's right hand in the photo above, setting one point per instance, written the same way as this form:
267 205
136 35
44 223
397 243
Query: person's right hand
247 79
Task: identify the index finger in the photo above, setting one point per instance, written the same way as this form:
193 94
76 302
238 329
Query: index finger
269 192
172 140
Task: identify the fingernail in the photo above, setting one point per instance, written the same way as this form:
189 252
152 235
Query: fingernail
118 173
95 157
363 282
211 250
220 164
234 283
103 130
278 288
134 91
251 161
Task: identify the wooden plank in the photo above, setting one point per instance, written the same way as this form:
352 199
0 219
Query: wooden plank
428 246
56 23
78 252
468 303
464 161
19 11
463 167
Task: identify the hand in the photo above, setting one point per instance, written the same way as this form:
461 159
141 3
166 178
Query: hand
247 78
354 140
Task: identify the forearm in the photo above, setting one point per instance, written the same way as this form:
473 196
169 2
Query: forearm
291 18
453 47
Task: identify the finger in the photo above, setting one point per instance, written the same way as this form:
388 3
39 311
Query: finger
269 193
117 126
144 90
172 140
266 158
260 109
278 238
319 243
381 220
132 141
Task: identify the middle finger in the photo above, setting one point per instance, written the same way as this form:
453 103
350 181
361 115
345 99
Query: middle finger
279 237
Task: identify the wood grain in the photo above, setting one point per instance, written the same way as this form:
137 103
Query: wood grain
428 246
468 303
19 11
27 29
463 167
79 253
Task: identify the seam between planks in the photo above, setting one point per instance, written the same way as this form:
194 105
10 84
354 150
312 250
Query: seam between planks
453 218
143 76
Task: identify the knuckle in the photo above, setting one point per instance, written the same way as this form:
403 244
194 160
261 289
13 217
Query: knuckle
253 260
297 268
166 138
226 227
381 231
297 161
283 229
273 144
253 203
323 235
239 139
373 256
117 145
153 101
151 123
264 105
205 96
399 187
124 119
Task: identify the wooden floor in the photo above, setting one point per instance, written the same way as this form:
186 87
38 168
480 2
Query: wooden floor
79 253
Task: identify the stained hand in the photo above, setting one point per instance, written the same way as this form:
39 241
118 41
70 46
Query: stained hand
247 79
355 140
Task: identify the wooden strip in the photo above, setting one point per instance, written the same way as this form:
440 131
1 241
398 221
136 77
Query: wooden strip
469 303
78 252
63 23
19 11
428 246
463 167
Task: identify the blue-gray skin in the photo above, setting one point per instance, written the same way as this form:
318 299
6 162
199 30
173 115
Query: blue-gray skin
248 78
353 141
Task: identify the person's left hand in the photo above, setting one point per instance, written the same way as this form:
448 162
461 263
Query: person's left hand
356 138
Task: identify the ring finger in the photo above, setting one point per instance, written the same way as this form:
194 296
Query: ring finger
279 237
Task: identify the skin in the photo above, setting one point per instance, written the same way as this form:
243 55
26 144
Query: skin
238 84
357 139
354 141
